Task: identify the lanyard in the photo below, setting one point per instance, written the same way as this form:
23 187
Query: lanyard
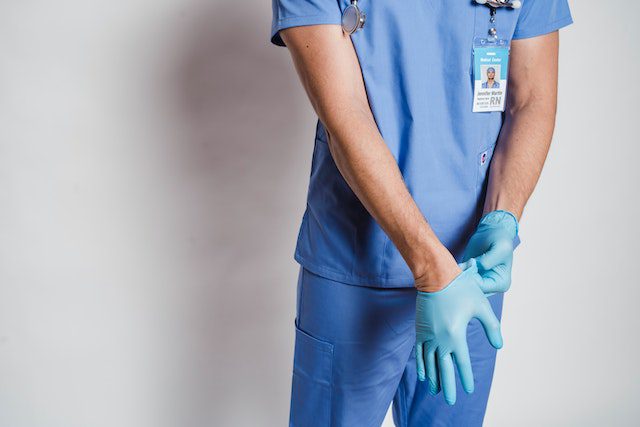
493 5
493 31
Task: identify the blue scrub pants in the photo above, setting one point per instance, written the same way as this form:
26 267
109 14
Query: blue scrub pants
354 355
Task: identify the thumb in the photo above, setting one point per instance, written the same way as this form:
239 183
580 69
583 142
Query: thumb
496 255
496 279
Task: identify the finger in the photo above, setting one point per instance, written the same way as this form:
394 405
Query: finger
497 254
432 372
470 263
490 323
463 363
447 378
420 362
495 280
466 255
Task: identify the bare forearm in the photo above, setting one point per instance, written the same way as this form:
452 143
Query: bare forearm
372 172
330 73
520 155
528 126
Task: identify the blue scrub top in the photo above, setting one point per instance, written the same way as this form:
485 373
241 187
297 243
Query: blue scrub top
485 85
438 142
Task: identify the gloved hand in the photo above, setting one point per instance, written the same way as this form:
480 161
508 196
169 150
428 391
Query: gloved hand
441 331
492 247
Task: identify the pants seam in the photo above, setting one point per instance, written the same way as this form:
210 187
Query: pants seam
302 280
404 416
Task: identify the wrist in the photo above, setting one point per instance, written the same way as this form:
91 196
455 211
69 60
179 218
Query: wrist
500 218
499 202
465 268
435 270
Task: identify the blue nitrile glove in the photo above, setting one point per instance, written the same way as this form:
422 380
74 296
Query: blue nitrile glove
492 246
441 331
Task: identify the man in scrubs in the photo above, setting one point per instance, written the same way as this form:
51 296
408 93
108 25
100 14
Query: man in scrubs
411 199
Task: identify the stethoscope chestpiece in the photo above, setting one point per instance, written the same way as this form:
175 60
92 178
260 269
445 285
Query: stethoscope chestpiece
513 4
352 18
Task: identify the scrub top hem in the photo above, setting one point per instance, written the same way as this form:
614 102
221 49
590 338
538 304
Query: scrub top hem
545 29
355 279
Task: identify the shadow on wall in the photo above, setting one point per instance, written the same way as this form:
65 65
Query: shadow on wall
234 97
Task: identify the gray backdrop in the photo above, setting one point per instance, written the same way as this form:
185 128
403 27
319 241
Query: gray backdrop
154 159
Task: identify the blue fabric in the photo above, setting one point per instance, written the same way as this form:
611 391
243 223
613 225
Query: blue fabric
539 17
355 355
495 85
416 60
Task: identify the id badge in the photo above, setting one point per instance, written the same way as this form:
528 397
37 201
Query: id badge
490 71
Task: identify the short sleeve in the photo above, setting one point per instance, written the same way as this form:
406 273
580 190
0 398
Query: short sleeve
539 17
295 13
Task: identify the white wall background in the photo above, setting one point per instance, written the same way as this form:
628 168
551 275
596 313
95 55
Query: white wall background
154 158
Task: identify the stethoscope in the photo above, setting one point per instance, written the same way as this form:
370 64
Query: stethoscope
353 17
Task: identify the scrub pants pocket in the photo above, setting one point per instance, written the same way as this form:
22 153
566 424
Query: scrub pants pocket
312 381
